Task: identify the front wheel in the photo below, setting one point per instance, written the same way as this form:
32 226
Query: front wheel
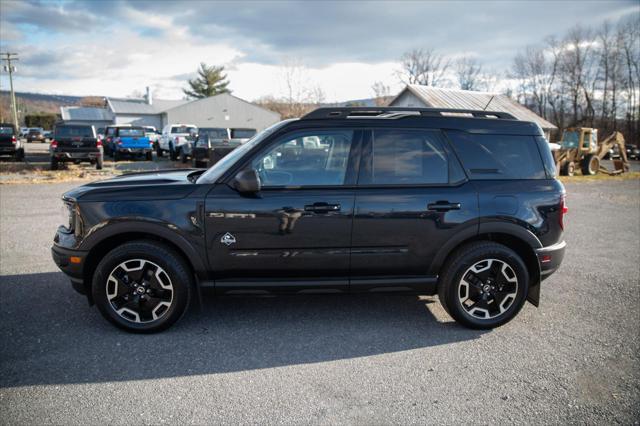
142 286
484 285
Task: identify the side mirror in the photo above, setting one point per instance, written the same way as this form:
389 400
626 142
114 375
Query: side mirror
247 182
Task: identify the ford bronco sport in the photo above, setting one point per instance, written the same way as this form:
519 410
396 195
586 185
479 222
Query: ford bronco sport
463 204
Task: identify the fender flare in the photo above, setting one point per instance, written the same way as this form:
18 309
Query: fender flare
158 229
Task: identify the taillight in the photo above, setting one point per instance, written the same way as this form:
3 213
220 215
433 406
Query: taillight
54 144
118 141
98 143
108 139
14 140
563 210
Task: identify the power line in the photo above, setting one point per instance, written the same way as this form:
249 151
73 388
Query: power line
8 58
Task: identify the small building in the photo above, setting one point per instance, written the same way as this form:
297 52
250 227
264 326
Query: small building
224 110
415 95
98 117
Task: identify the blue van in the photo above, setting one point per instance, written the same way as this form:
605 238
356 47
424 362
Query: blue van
130 141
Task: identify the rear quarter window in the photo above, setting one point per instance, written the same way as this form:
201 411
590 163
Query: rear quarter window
498 157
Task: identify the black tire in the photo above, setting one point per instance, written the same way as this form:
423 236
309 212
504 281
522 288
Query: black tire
99 161
568 169
19 155
148 156
590 165
173 155
162 256
54 164
116 156
183 156
450 285
158 150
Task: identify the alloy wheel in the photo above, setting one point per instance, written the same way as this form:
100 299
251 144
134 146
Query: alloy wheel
488 289
139 291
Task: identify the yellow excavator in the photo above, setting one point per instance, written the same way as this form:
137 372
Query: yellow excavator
579 147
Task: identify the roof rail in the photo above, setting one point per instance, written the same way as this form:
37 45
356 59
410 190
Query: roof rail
398 112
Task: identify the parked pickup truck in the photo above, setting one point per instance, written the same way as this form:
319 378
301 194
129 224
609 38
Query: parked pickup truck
210 145
75 143
173 137
10 143
131 141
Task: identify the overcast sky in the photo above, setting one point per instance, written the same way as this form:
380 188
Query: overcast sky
114 48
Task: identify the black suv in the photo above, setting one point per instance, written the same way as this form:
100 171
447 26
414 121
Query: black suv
10 143
463 204
75 143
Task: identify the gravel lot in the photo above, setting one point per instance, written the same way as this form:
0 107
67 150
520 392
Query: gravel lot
327 359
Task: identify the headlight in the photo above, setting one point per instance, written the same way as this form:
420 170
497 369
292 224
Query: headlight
68 215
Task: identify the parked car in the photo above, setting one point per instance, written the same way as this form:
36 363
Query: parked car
173 137
75 143
35 134
342 200
10 143
210 145
23 131
110 133
633 153
132 142
241 135
48 135
152 134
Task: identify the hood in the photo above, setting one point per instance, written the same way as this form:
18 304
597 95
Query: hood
156 185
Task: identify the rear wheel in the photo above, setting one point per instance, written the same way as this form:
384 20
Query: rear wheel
142 286
484 285
590 165
148 156
116 156
19 155
183 156
173 155
99 161
158 150
54 163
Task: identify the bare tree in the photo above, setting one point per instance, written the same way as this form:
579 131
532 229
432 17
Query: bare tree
423 66
468 73
381 93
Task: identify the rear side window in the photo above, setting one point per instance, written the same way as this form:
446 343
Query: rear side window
405 157
242 133
74 131
493 157
6 130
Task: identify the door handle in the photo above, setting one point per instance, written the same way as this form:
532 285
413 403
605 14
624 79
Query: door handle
322 208
443 206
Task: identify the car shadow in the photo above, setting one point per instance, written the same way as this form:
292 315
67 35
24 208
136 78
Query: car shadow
50 335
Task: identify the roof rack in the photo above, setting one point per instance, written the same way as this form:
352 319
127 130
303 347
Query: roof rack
398 112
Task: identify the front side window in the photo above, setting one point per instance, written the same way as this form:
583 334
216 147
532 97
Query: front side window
306 159
405 157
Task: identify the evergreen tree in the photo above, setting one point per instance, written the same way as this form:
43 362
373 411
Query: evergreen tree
210 82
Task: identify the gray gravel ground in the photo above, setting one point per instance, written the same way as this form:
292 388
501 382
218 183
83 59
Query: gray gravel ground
327 359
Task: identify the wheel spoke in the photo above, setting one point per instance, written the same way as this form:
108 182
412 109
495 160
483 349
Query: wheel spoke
488 288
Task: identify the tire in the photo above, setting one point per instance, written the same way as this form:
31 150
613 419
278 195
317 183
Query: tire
54 164
568 169
99 161
19 155
473 262
125 303
148 156
173 155
590 165
183 156
158 150
116 156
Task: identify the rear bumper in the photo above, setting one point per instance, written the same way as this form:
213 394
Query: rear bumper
8 150
550 258
90 155
122 150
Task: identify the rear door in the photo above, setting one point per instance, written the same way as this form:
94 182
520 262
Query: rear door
297 230
78 139
412 198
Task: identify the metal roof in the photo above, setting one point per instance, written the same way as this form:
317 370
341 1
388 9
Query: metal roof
140 106
471 100
85 114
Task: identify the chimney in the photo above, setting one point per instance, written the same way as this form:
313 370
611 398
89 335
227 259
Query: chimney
148 96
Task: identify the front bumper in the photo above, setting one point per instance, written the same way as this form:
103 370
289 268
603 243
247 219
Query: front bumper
71 262
550 258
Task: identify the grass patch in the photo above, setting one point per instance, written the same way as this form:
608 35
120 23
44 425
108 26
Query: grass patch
600 177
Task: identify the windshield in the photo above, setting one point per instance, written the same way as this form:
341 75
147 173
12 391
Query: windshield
131 132
6 130
217 170
74 131
183 129
571 139
242 133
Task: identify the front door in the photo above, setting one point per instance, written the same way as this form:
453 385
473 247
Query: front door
411 199
296 232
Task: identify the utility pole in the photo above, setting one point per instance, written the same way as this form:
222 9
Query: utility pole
8 57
